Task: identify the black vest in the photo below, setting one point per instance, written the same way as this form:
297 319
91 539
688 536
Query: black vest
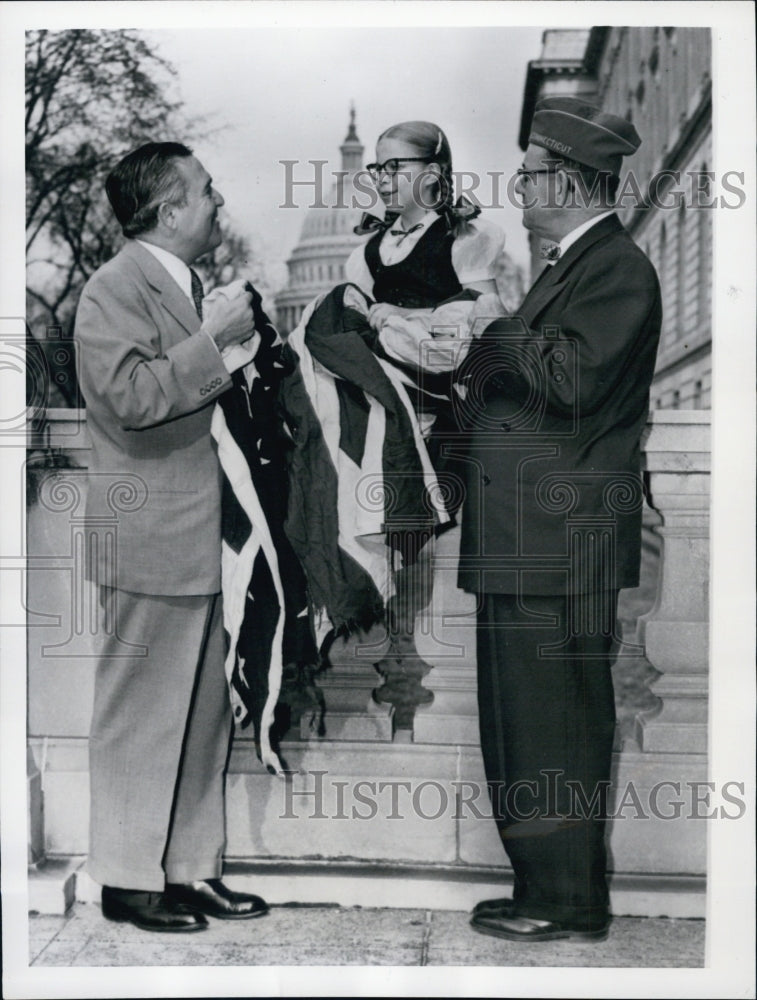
424 278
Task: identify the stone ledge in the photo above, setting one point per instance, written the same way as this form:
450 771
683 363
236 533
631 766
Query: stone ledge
52 885
436 887
368 726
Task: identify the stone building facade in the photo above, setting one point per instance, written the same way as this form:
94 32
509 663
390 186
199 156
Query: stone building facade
660 79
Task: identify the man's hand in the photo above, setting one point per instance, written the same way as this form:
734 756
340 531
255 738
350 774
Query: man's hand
227 315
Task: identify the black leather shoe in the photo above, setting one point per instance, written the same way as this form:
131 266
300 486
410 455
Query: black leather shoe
151 911
527 929
503 905
212 897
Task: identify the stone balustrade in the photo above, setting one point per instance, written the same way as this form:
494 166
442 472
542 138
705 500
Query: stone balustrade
674 633
668 744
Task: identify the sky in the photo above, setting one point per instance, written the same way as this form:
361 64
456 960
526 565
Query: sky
270 94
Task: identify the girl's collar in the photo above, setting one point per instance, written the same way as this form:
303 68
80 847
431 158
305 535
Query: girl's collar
423 223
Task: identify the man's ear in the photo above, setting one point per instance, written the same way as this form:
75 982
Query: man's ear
167 216
563 185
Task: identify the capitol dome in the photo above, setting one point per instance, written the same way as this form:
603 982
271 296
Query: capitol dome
327 237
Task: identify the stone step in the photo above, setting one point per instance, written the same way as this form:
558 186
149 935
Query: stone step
434 887
52 885
348 694
389 803
371 723
436 727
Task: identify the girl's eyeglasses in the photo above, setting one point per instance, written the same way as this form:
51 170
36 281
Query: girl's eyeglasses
390 167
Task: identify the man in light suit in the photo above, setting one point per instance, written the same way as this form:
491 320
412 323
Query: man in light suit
552 521
151 367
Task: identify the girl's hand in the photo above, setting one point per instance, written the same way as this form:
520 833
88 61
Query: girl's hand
379 313
382 311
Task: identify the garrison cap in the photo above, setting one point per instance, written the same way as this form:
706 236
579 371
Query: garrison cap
568 126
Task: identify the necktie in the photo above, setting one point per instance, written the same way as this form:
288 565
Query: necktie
402 233
197 292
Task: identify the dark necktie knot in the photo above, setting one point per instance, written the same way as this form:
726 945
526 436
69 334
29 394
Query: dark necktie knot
197 292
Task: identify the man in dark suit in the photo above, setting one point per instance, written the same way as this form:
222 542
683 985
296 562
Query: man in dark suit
556 403
152 362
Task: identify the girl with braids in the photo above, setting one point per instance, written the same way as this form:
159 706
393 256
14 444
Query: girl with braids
424 266
427 250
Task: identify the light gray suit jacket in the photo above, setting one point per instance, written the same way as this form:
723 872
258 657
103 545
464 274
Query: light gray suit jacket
149 377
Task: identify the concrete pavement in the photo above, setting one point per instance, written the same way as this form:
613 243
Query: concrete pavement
353 936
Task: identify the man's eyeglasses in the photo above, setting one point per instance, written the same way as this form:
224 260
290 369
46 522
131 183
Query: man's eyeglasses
390 167
522 172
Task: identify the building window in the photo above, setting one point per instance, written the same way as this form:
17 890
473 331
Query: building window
681 274
663 275
696 401
676 399
704 268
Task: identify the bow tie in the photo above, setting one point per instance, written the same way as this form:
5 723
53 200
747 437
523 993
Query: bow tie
372 224
402 233
551 252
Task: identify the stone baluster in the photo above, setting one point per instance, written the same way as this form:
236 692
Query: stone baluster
92 541
676 459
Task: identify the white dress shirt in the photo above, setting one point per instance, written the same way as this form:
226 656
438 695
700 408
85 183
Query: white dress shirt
575 234
234 357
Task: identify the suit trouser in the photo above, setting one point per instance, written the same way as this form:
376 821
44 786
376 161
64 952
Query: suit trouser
547 721
159 742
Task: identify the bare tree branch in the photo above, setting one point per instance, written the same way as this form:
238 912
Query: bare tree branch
91 97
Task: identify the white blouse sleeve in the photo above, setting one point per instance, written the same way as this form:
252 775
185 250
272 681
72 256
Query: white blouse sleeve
356 270
478 252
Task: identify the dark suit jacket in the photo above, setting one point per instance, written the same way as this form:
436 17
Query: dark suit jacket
555 405
149 377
